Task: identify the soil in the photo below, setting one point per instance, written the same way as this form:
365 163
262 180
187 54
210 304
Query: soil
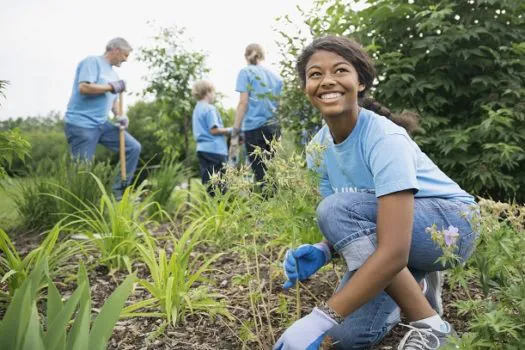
229 277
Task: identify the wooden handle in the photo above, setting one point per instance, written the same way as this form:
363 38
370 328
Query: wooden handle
122 141
120 109
122 154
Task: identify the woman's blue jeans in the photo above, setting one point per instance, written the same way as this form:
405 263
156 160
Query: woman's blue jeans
83 144
348 222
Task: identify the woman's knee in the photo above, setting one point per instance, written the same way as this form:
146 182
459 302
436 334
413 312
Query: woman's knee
346 213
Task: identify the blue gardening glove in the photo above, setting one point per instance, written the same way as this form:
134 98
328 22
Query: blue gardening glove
304 261
306 333
123 121
118 86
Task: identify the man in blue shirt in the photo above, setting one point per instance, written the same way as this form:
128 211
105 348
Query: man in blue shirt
94 94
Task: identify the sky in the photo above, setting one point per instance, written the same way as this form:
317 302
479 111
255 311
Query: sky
42 41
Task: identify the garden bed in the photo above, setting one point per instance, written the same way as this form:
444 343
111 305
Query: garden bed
230 279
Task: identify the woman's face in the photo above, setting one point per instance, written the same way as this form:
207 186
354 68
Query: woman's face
332 83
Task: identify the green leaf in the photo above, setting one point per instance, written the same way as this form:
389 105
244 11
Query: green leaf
109 314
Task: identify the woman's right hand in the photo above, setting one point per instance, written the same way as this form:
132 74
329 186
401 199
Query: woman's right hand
304 261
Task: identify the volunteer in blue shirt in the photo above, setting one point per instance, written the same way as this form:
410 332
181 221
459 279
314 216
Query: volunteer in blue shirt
381 193
209 133
94 94
256 116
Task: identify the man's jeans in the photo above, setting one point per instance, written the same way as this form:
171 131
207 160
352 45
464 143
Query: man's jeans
83 143
348 222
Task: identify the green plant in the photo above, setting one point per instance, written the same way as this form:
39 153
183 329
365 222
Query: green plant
220 217
164 179
22 327
115 227
172 71
56 189
175 280
497 271
15 269
12 144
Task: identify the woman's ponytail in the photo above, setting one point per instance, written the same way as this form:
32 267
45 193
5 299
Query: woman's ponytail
406 119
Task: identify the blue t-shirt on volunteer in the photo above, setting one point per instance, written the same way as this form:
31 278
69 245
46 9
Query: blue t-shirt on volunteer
264 89
205 117
378 157
90 111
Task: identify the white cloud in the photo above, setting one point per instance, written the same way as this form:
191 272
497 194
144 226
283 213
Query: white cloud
42 42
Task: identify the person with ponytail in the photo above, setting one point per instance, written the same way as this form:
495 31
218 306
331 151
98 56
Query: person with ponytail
259 90
381 194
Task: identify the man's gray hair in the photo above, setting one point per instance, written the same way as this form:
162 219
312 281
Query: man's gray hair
118 43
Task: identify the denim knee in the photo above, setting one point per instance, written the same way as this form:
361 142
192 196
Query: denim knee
346 216
135 147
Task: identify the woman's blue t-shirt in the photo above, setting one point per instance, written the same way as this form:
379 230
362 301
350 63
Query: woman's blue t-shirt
378 157
264 89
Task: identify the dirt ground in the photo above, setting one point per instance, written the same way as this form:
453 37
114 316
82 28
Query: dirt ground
230 280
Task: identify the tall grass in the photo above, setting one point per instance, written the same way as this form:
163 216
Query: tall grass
37 197
114 227
164 180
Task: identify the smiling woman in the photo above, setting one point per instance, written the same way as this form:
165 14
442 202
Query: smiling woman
381 193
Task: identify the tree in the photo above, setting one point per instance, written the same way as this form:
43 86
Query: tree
172 71
460 66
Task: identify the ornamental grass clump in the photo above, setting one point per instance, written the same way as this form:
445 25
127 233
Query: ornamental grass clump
116 227
175 284
68 324
15 269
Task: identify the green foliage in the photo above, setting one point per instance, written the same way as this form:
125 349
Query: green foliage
56 189
48 143
497 268
164 180
22 326
459 65
175 281
12 144
144 122
15 269
283 213
172 71
114 227
221 217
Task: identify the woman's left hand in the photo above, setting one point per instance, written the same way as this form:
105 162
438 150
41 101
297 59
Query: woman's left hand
306 333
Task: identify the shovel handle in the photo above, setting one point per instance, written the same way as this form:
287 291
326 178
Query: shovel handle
122 141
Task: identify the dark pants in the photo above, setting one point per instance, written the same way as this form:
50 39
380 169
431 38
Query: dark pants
210 163
260 137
